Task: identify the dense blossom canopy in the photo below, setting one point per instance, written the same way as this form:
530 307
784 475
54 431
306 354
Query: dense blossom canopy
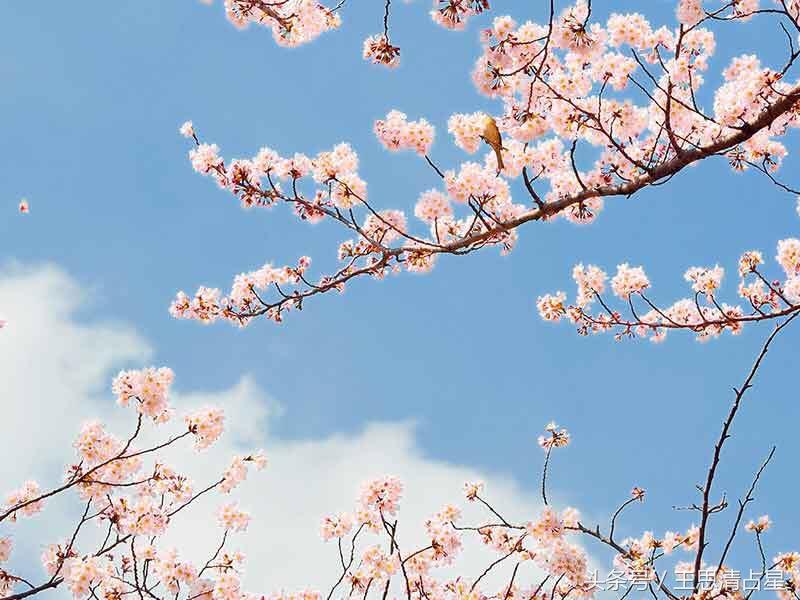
588 110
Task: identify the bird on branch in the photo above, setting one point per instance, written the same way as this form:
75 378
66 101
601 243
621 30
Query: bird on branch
491 135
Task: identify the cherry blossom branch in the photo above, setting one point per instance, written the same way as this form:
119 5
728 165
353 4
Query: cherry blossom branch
724 435
109 468
381 258
32 592
544 537
530 58
85 477
768 300
19 506
742 505
637 496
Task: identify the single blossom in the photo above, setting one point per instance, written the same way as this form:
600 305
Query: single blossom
206 425
554 437
187 130
760 525
380 51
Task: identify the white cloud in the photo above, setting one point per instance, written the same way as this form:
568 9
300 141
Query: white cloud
311 478
56 369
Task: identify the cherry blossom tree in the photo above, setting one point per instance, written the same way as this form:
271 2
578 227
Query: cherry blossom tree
621 95
133 497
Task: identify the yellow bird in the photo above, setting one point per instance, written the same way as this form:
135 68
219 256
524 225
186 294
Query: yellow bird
491 135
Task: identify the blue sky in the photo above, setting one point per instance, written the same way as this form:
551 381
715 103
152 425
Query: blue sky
93 98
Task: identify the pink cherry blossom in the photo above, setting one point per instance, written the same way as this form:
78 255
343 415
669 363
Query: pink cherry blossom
231 518
336 526
629 280
690 12
379 50
187 130
148 389
205 157
551 306
454 14
293 22
206 425
760 525
396 133
788 256
705 281
554 437
25 498
382 495
432 205
5 549
238 469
